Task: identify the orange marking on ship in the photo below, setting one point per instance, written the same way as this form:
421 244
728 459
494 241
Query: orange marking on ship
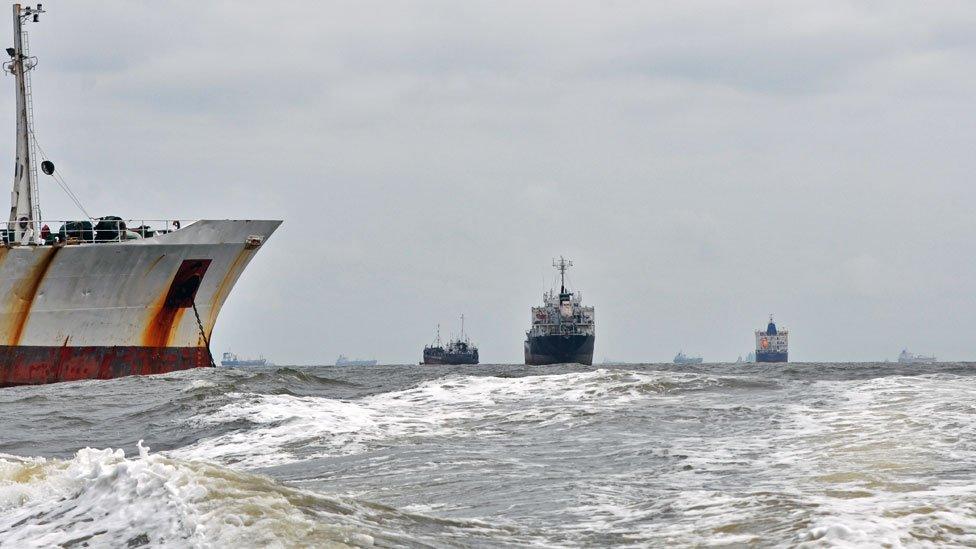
159 330
23 294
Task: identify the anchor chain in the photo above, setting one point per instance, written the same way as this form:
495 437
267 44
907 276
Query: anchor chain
203 334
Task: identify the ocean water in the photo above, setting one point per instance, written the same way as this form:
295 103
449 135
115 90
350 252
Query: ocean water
815 455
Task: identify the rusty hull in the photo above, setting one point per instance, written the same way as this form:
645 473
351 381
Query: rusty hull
98 311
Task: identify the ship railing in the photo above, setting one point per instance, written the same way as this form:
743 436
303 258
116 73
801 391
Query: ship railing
557 325
50 232
554 329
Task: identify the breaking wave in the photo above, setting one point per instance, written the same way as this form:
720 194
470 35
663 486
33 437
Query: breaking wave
809 455
454 406
103 498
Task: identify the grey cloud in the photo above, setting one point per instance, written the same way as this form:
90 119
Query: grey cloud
704 164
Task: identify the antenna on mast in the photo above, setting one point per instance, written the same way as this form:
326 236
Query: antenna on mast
25 210
562 264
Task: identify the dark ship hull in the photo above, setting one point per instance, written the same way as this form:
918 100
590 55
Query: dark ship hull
559 349
434 357
772 356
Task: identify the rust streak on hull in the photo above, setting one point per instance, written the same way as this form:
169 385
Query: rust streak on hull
159 329
24 293
32 365
159 332
170 307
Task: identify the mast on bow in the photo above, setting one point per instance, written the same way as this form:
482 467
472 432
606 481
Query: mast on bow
25 210
562 264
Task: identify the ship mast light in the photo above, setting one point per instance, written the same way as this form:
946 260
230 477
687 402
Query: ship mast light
32 14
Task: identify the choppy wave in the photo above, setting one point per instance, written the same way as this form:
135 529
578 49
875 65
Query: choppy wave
627 456
102 498
889 463
457 406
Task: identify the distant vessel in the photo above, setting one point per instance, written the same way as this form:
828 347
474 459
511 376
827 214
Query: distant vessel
772 345
459 350
343 360
230 359
751 357
908 358
682 358
563 330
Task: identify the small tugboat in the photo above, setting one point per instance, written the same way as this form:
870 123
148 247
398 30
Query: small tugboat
459 350
682 358
343 360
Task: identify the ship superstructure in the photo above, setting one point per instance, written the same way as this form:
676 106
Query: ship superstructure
459 350
772 345
562 330
103 298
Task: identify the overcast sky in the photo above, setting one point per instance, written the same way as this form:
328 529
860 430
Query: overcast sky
703 164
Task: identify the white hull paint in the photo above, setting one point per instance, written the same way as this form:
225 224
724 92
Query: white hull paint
110 294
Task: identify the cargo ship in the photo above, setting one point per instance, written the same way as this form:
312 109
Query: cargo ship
909 358
232 360
563 330
772 345
682 358
343 360
458 350
104 298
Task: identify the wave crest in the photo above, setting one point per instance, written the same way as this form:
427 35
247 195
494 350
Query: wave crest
286 428
103 498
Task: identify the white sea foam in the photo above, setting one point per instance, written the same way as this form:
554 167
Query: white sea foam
883 461
879 465
853 463
441 407
199 384
104 499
